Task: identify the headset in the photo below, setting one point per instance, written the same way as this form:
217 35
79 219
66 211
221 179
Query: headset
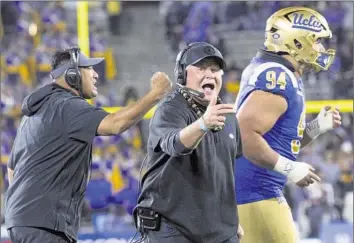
72 74
180 70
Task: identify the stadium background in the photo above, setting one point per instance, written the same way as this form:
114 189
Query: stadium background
139 38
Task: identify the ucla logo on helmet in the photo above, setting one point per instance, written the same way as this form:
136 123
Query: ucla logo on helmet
276 36
312 24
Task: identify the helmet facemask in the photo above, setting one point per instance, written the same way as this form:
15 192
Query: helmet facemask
303 50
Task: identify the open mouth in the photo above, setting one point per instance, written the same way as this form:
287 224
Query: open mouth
208 87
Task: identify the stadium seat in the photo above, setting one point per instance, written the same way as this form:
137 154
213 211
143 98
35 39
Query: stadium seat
98 193
99 190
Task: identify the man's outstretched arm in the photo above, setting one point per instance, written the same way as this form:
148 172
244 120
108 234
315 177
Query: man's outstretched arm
127 117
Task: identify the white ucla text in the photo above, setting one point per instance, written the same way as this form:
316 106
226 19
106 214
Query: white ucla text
299 22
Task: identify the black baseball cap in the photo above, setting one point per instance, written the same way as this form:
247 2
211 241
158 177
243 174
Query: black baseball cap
83 62
197 51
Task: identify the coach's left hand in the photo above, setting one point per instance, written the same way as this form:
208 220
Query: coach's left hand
240 232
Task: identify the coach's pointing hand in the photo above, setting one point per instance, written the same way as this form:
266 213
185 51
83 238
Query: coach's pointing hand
214 116
161 84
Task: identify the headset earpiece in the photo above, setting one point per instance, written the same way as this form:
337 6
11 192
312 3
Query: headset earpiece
72 74
181 67
70 77
181 74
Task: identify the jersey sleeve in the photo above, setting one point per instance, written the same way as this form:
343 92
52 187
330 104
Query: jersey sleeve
81 119
274 79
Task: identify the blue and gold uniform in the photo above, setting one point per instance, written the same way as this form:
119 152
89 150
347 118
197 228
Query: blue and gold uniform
253 182
298 33
259 190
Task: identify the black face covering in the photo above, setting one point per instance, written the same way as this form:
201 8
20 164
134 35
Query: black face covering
198 108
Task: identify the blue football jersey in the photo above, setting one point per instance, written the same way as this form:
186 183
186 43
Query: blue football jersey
254 183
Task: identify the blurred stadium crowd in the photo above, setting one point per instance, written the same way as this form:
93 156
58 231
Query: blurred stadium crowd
187 22
31 31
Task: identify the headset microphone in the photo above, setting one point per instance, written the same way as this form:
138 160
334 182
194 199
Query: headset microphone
192 91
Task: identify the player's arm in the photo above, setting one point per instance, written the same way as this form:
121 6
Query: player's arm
127 117
10 175
256 117
306 139
274 88
327 119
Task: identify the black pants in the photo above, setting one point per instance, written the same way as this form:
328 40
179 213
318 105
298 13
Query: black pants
168 233
37 235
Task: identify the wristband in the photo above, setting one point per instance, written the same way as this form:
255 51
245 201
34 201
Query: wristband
284 165
313 129
202 125
321 124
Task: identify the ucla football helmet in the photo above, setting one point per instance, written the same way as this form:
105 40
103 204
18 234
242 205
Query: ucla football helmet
296 31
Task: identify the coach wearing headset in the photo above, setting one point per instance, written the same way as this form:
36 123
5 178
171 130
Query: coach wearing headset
50 160
188 192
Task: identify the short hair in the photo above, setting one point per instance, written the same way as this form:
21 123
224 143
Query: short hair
59 58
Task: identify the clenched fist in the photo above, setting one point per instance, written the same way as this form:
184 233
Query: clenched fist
214 116
161 84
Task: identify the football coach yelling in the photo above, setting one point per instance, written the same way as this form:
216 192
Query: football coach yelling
50 160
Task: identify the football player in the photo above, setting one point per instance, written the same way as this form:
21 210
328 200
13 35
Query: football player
271 113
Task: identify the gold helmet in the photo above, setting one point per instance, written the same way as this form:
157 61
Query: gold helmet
296 30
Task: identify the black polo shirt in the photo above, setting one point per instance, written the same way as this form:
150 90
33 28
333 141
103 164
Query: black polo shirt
193 189
51 159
